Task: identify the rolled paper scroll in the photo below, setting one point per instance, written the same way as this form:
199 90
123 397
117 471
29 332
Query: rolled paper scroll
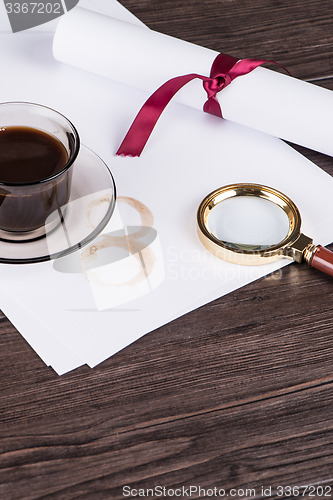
264 99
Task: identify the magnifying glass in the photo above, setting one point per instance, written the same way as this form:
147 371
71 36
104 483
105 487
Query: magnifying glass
252 224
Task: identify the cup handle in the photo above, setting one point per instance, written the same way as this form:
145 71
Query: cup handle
322 260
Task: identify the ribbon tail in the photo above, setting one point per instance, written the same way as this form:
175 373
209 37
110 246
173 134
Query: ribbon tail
145 121
213 107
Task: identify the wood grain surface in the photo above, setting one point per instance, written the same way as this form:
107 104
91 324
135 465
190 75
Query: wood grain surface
237 394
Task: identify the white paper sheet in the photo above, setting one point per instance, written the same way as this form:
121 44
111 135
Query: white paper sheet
190 155
43 340
265 100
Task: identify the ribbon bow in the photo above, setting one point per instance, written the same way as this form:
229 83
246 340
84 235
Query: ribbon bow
224 70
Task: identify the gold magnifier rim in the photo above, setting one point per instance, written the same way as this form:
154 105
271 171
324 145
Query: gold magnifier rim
248 257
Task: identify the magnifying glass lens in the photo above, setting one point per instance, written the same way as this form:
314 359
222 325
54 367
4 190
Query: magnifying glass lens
248 223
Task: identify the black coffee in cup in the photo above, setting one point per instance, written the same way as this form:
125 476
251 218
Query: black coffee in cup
29 155
38 147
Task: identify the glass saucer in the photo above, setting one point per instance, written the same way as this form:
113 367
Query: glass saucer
89 209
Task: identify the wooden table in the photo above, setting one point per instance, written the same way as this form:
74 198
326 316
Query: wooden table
237 394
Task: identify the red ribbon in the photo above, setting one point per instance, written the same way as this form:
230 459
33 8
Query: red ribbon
224 69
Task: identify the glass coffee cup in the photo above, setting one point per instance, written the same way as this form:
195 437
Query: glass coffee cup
38 149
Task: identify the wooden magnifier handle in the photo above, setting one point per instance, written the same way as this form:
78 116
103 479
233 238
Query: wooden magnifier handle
322 259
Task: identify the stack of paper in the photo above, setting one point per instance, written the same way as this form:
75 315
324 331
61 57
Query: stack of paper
148 267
